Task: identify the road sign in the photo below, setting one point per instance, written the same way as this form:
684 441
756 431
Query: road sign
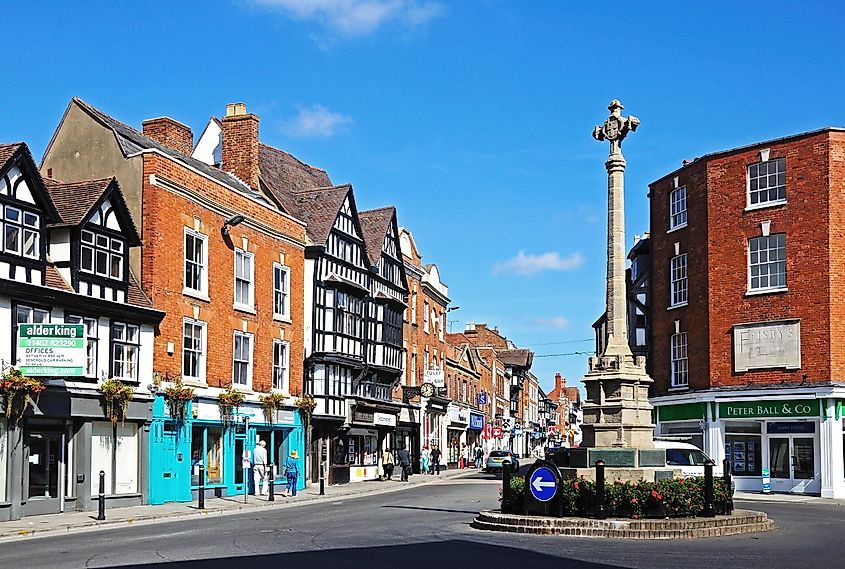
543 484
482 398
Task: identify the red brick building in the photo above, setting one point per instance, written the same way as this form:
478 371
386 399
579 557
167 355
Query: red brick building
225 263
747 309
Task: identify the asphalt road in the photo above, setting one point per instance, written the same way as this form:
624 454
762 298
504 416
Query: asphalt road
425 527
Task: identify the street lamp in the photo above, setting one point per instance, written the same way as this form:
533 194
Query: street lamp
231 222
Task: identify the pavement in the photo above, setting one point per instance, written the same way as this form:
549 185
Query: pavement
52 524
420 525
775 498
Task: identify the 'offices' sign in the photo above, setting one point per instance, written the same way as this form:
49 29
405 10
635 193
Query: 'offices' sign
52 349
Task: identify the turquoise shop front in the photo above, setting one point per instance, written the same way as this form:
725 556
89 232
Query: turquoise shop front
178 448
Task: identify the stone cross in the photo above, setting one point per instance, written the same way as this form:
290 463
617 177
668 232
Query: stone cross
615 129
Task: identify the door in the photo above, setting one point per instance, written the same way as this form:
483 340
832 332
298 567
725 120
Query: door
171 459
44 469
792 464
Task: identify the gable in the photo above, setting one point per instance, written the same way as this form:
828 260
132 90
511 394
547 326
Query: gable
345 220
21 181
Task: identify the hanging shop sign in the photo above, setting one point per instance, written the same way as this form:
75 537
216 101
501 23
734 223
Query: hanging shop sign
488 431
777 408
476 422
497 432
363 417
52 349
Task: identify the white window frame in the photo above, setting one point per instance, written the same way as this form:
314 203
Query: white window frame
250 362
285 271
201 364
250 305
751 179
23 228
285 366
92 342
679 360
768 263
108 250
131 357
426 316
202 292
678 285
677 214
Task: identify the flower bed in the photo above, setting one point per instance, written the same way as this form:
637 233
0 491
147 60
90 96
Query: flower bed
680 497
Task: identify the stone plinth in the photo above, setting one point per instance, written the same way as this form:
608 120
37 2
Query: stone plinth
586 457
623 474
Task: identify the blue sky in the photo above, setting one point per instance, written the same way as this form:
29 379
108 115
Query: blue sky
474 118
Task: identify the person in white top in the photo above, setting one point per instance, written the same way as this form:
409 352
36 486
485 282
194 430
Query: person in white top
259 467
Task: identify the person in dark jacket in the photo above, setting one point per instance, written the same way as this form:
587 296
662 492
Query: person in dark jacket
435 460
405 463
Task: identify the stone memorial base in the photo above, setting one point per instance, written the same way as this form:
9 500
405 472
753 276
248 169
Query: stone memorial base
740 522
624 474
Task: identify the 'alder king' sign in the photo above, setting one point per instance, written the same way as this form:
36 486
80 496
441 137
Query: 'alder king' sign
51 349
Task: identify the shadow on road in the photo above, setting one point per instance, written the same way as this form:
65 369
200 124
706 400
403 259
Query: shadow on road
443 555
473 512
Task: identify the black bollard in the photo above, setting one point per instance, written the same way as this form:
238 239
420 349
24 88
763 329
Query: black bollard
322 479
601 511
201 490
272 496
726 476
709 508
101 514
507 505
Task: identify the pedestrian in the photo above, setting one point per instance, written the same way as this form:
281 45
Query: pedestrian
387 464
464 455
425 460
435 460
259 467
292 472
479 455
405 463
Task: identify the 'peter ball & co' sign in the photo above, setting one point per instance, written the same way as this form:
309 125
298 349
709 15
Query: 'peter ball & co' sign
51 349
777 408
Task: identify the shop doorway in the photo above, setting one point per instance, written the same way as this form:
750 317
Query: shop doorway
792 464
45 471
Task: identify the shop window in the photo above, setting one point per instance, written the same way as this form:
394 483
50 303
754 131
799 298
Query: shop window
339 454
114 450
745 454
207 448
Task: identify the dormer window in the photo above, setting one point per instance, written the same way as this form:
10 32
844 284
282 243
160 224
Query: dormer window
20 232
101 255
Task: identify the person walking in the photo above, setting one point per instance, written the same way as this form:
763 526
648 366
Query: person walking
435 460
259 467
479 455
404 463
425 458
387 464
292 472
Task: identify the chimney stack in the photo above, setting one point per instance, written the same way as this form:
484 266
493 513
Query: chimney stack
558 386
170 133
240 143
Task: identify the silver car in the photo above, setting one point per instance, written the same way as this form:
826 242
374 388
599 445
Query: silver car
496 461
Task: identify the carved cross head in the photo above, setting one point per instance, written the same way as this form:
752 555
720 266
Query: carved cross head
615 127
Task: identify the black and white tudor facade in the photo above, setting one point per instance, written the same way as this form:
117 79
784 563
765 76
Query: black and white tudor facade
64 259
353 332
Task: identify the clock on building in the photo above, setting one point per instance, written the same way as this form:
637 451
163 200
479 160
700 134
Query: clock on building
427 389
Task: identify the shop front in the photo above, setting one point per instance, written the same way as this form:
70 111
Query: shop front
794 444
474 430
51 458
406 435
179 446
434 425
458 421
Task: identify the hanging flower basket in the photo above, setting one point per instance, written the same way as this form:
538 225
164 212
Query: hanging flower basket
19 392
306 405
228 402
116 396
272 402
177 397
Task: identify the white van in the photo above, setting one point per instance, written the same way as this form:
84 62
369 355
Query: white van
689 458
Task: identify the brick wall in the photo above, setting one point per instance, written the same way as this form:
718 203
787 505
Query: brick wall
716 241
165 216
240 147
170 133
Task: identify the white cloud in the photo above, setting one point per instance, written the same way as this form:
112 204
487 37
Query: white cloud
555 323
529 264
353 18
316 121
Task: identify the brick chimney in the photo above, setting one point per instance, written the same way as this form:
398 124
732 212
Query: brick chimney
170 133
560 384
240 143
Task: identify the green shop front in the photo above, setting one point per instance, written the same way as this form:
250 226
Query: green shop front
792 442
179 446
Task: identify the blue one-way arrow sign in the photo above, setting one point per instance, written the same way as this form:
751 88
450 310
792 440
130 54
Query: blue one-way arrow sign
543 484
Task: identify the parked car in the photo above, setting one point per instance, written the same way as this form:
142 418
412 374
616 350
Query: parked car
688 457
496 459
